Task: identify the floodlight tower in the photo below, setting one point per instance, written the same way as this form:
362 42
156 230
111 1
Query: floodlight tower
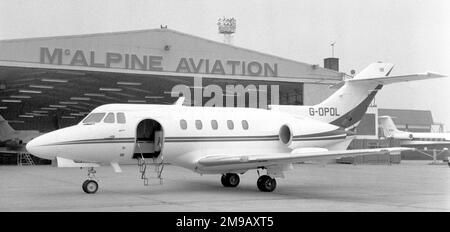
227 27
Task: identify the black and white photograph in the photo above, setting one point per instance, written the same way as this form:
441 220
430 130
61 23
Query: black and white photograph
224 106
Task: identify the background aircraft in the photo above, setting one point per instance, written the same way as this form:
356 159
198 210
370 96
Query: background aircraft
12 141
412 138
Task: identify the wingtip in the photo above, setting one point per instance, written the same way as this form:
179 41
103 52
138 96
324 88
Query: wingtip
436 75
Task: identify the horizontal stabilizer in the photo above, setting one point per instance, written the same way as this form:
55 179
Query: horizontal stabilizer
68 163
383 80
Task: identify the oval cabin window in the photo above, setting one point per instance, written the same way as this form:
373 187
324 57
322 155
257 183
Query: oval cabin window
198 124
214 124
183 124
230 124
245 124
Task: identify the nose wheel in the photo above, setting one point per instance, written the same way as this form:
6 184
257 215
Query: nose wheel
90 186
230 180
266 183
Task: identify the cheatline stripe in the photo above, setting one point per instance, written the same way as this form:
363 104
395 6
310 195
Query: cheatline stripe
222 138
218 140
200 139
327 136
95 141
316 138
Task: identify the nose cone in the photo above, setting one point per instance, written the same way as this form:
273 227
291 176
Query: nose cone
31 145
41 146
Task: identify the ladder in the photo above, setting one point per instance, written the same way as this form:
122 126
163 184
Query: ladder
24 157
143 167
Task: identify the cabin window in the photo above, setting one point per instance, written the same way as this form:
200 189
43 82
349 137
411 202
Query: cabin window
214 124
245 124
94 118
198 124
109 118
183 124
121 118
230 124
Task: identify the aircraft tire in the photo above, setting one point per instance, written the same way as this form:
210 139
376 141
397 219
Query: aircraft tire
224 181
230 180
90 186
266 183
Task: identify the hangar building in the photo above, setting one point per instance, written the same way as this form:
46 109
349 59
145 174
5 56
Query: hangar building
52 82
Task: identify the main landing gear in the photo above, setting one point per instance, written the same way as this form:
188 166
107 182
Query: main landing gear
230 180
90 186
265 183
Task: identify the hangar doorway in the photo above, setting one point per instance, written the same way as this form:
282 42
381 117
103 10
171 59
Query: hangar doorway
149 139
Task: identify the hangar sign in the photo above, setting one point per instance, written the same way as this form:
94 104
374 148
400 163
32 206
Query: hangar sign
60 56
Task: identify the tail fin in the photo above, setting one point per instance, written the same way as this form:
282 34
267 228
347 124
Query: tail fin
5 129
347 106
388 126
353 98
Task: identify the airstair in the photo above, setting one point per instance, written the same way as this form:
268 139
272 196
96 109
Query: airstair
142 164
24 159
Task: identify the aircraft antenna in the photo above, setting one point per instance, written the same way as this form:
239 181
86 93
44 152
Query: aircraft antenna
332 48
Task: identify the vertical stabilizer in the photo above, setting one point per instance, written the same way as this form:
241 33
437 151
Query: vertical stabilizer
388 126
348 105
5 129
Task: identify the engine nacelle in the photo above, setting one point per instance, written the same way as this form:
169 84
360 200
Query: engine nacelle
310 134
287 134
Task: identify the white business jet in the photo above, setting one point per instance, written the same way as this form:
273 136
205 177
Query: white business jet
214 140
412 138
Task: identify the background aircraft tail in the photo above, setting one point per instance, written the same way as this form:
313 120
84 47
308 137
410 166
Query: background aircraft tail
5 129
388 126
347 106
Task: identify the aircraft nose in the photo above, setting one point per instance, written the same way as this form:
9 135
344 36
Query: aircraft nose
32 146
39 147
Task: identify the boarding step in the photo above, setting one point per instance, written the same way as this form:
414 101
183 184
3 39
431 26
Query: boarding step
159 167
24 159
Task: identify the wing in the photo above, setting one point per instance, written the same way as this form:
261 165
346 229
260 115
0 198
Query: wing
298 155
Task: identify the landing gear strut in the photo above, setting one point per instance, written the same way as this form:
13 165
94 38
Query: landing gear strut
230 180
266 183
90 186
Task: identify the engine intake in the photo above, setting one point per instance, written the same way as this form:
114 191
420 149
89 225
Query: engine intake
285 134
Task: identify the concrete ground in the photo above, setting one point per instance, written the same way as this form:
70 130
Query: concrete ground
409 186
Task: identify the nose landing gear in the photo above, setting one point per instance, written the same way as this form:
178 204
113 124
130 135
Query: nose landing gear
90 186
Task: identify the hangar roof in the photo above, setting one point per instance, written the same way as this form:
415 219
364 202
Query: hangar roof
160 50
64 77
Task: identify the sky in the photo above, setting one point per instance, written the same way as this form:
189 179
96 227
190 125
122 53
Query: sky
412 34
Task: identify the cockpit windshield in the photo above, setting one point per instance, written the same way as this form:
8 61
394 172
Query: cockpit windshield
94 118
